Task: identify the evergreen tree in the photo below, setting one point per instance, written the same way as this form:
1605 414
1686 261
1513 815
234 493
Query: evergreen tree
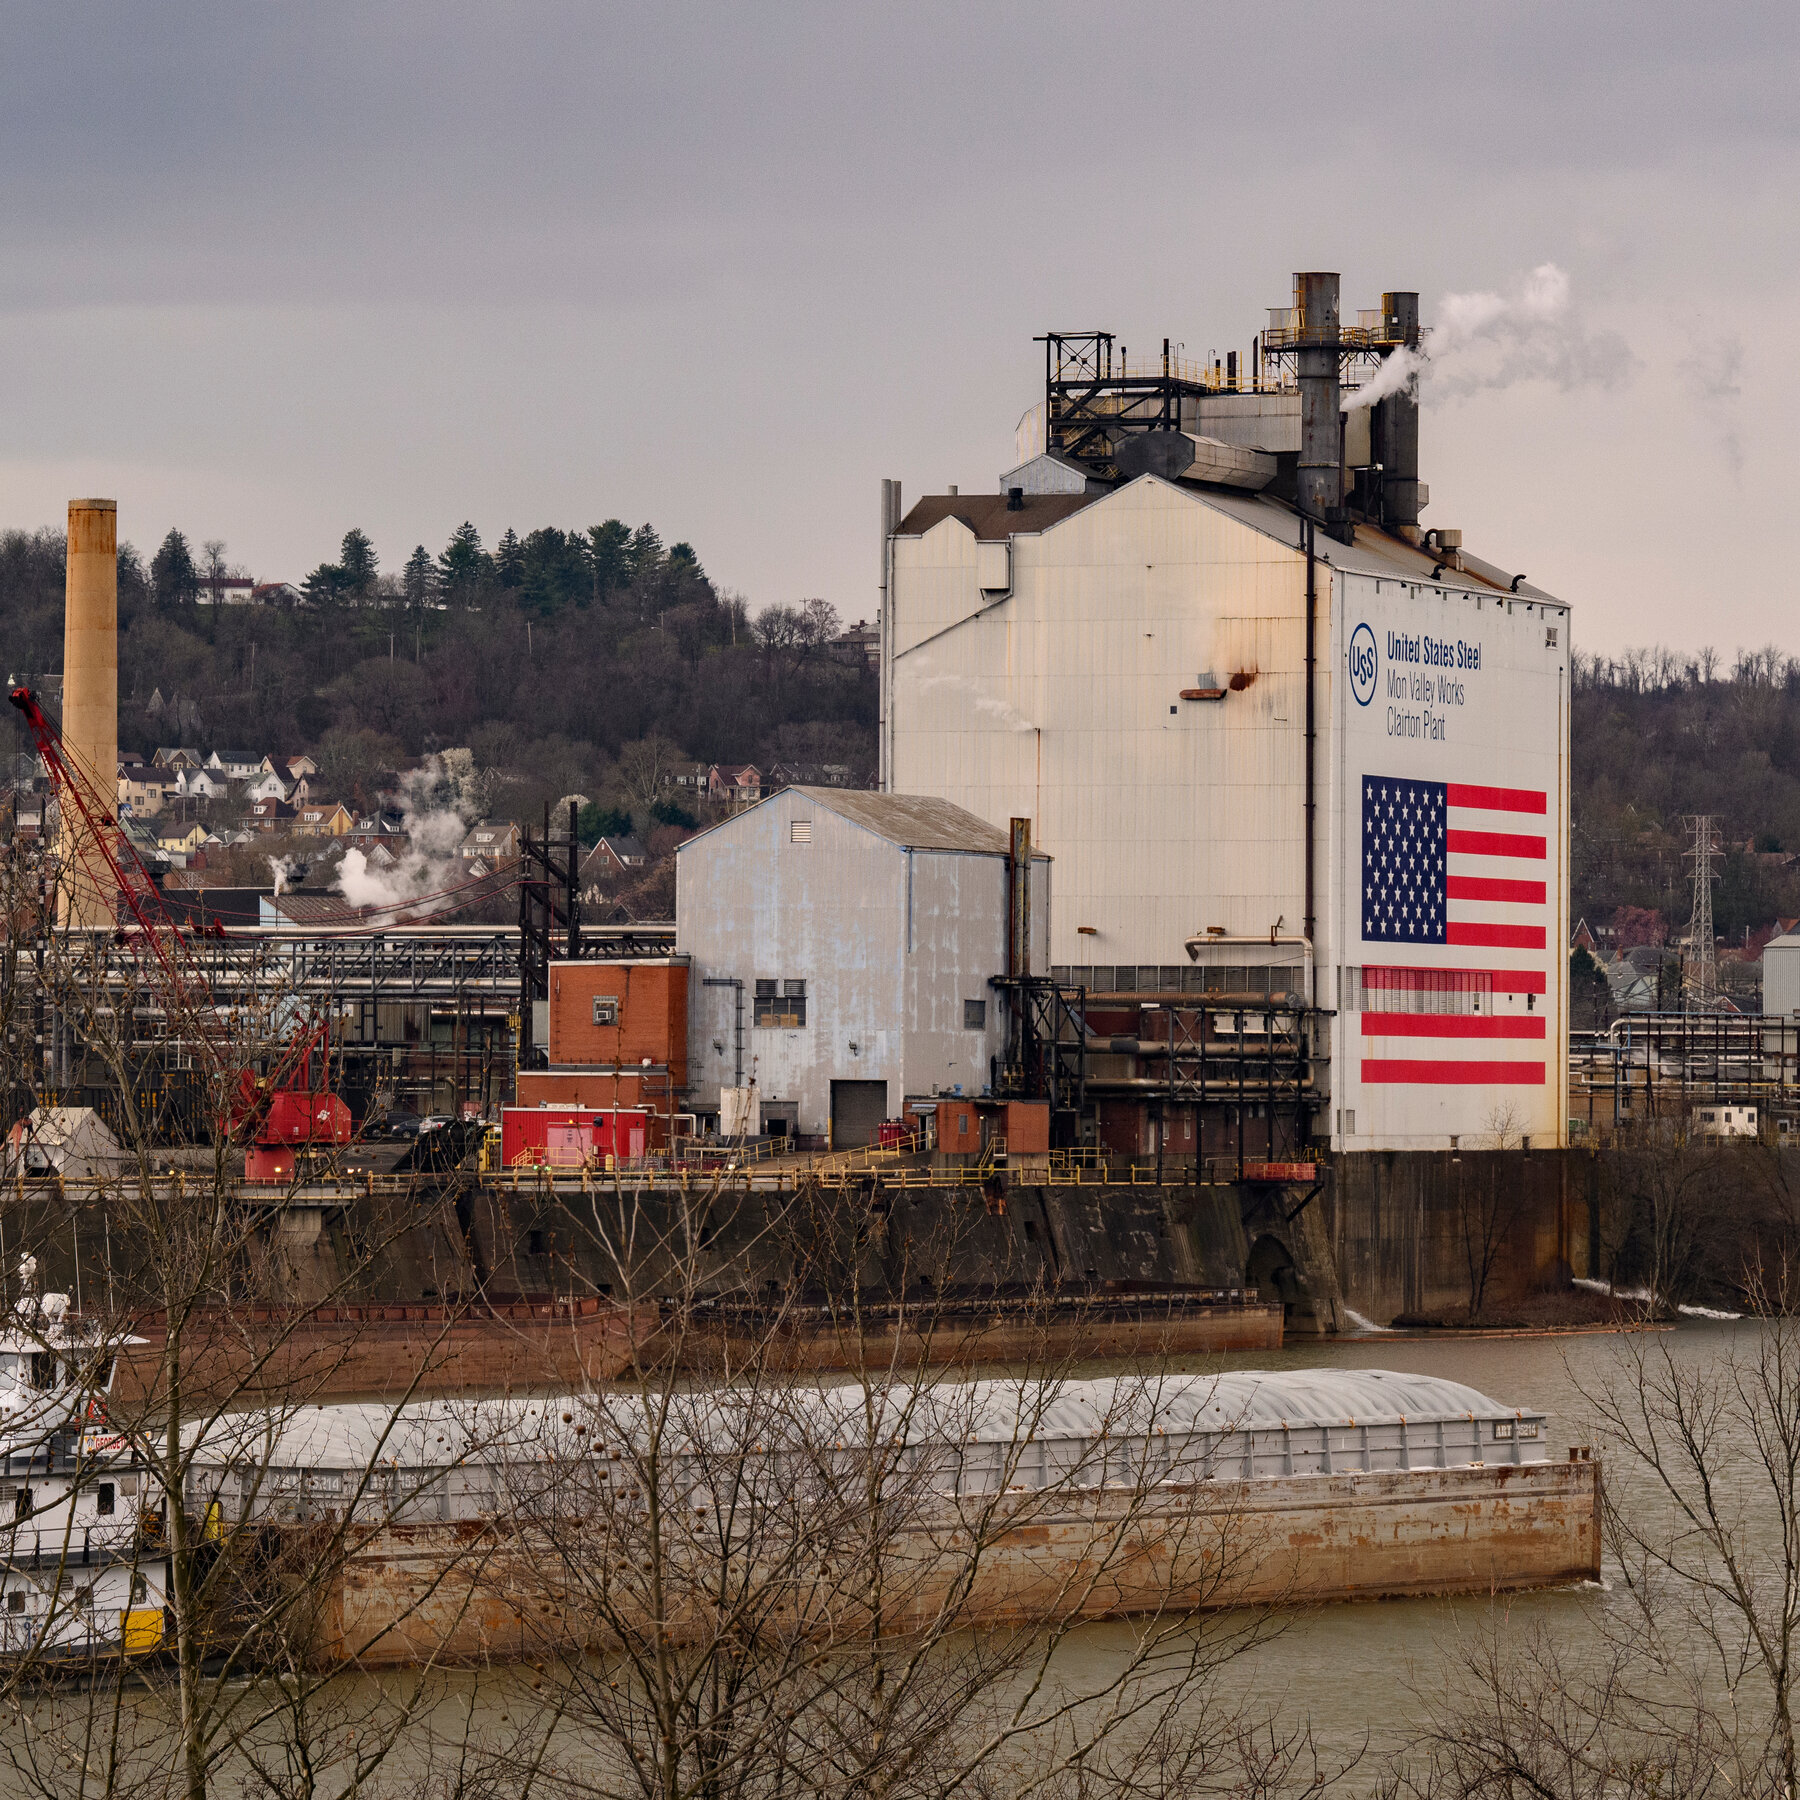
644 555
419 579
609 559
554 571
172 573
683 561
326 585
357 559
594 822
464 566
509 560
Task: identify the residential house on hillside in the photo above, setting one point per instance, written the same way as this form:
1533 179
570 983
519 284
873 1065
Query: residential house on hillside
227 590
325 818
143 790
269 786
613 856
177 756
735 785
272 593
235 765
627 850
861 644
293 767
271 814
202 784
691 778
374 831
178 841
491 842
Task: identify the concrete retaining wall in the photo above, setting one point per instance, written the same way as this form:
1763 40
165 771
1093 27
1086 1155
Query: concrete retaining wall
1405 1228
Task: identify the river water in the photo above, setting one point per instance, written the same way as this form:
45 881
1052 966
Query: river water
1366 1670
1362 1674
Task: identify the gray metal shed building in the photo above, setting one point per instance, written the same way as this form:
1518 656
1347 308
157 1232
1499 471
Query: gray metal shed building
842 946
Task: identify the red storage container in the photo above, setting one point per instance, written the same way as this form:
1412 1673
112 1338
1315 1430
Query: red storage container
566 1137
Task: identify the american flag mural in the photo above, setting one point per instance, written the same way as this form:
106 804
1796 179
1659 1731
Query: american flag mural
1460 867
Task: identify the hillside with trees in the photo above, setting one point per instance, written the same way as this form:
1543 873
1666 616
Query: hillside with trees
593 661
1659 737
568 661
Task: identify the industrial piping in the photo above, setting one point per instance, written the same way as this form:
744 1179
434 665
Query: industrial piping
90 721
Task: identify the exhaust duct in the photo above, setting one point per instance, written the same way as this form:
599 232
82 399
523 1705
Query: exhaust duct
1320 487
1396 425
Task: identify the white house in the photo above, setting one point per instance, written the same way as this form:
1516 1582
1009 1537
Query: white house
269 786
235 765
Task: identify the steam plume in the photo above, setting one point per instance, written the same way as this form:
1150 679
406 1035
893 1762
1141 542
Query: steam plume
435 829
1399 373
1486 340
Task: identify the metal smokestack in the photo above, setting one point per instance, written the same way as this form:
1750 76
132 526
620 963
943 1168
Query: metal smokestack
1321 476
1396 425
90 720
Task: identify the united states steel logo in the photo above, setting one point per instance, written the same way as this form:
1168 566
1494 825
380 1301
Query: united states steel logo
1362 665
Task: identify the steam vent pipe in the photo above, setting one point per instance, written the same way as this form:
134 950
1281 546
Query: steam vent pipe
1321 476
90 721
1397 425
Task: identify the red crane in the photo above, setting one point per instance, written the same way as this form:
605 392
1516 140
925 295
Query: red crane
271 1114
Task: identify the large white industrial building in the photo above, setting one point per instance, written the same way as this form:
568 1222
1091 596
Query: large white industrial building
1279 740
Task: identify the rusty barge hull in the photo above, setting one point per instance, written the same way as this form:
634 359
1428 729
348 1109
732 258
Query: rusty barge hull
452 1593
385 1351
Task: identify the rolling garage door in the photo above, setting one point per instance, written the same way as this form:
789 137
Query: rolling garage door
857 1107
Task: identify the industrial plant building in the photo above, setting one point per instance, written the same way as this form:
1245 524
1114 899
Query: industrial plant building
1302 765
843 949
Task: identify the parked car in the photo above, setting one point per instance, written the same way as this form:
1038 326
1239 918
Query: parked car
402 1125
433 1122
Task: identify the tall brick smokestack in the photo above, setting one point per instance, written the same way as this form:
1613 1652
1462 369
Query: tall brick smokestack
90 719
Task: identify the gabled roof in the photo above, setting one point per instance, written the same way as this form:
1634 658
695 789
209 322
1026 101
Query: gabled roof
912 821
1373 552
987 516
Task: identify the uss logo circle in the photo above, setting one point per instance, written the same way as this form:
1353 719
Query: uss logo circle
1362 665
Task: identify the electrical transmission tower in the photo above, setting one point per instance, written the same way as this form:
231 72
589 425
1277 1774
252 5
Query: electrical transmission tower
1702 982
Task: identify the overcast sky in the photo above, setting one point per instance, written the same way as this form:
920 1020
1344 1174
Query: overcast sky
268 271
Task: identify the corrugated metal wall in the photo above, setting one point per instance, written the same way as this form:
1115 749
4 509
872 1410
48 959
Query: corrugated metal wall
1063 703
889 942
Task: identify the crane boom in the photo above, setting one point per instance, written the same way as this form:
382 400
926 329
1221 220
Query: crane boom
102 856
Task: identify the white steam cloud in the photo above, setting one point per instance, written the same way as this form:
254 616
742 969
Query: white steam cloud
1535 333
430 860
1399 372
282 869
1483 341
